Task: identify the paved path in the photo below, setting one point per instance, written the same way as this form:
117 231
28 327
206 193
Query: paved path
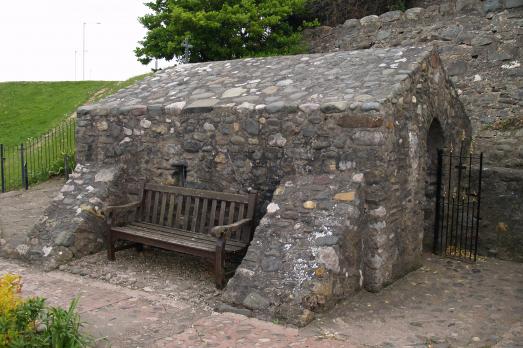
20 210
444 304
130 318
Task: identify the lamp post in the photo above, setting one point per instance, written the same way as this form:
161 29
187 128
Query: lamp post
83 49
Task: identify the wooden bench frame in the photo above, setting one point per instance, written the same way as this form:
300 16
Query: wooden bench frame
171 217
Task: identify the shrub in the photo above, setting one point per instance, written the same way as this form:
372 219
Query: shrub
31 324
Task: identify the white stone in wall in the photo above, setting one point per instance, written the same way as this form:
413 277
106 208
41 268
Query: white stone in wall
105 175
145 123
328 256
272 208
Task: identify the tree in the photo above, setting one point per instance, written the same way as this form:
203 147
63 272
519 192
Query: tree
221 29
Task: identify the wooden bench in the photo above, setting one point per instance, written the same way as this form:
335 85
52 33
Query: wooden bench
212 225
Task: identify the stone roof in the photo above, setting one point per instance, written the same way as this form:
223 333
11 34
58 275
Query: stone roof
337 80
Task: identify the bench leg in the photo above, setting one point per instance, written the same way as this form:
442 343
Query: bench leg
219 263
110 248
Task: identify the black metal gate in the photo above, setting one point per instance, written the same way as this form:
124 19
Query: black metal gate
458 203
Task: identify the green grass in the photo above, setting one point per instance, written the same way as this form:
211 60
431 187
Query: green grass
36 114
29 109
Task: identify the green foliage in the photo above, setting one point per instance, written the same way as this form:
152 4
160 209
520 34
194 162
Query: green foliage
222 29
28 109
398 5
31 324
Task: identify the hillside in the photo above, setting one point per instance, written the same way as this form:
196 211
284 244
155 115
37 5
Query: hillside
29 109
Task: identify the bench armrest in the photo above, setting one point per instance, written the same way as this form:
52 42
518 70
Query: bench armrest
225 231
111 210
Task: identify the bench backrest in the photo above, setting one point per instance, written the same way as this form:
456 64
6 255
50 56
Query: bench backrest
196 210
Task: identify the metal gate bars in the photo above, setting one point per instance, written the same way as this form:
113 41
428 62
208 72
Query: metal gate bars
458 204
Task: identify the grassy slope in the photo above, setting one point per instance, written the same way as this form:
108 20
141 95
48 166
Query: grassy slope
29 109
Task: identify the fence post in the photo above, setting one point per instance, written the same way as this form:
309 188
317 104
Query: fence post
438 202
22 163
66 167
2 167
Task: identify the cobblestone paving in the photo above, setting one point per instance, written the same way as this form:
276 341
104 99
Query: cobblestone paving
445 303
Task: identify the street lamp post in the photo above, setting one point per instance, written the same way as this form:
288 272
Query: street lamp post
83 49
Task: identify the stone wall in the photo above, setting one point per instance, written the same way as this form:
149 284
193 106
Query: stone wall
480 44
335 144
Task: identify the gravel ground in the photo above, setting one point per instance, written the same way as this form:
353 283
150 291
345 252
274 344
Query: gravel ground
167 274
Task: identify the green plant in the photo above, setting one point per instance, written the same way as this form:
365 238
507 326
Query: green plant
398 5
31 324
221 29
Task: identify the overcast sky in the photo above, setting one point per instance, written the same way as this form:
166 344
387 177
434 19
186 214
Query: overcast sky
38 39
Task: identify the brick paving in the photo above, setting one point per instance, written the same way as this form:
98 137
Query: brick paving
446 303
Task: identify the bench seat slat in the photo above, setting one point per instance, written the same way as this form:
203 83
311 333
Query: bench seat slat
175 238
199 236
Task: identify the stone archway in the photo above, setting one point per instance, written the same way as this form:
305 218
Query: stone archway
435 141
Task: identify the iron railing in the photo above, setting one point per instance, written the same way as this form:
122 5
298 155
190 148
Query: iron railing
458 204
38 159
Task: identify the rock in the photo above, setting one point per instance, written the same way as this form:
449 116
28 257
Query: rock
145 123
203 105
391 16
383 34
414 13
270 264
345 196
191 146
368 138
208 127
102 126
513 3
370 106
328 256
256 301
237 140
105 175
280 106
233 92
175 108
272 208
457 68
370 23
309 205
277 140
492 5
225 308
334 107
251 126
481 41
309 107
270 90
284 83
351 23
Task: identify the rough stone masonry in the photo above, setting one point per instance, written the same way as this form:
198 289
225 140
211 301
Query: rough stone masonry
335 143
481 45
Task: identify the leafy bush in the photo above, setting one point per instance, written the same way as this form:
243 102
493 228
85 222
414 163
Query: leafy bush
222 29
31 324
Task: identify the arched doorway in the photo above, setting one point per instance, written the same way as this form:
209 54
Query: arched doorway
435 141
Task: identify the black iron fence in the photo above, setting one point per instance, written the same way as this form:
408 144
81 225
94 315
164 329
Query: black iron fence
458 204
38 159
